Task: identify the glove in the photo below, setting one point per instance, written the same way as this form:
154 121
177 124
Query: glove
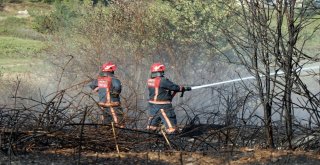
187 88
184 89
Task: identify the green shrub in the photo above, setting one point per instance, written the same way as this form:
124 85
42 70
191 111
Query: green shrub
61 17
45 24
1 5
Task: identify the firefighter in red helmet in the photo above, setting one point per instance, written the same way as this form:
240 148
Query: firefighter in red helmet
109 89
161 93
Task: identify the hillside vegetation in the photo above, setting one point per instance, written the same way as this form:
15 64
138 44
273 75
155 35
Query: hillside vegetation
20 44
50 54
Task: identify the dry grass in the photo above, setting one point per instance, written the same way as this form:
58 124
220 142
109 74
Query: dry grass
237 157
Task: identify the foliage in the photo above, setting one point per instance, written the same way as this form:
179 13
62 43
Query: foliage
60 18
196 20
20 55
138 30
20 45
10 24
12 47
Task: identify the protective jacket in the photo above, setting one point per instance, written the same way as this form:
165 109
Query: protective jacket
109 89
162 90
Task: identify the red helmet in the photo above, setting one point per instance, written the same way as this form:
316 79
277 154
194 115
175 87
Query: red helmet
157 67
108 67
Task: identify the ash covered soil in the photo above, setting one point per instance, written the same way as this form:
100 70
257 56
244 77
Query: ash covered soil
235 157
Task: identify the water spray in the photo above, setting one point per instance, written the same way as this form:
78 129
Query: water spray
249 78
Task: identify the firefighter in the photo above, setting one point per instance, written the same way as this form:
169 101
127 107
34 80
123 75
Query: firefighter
109 89
161 93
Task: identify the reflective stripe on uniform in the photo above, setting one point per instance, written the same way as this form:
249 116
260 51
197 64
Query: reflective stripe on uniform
166 118
155 84
156 87
110 104
150 127
170 130
156 93
108 96
114 115
159 102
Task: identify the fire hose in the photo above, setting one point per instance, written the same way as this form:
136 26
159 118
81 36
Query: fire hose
252 77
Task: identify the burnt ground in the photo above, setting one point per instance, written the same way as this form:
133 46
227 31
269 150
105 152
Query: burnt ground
97 145
240 156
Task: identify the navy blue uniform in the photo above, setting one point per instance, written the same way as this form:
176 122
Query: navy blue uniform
161 93
109 89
